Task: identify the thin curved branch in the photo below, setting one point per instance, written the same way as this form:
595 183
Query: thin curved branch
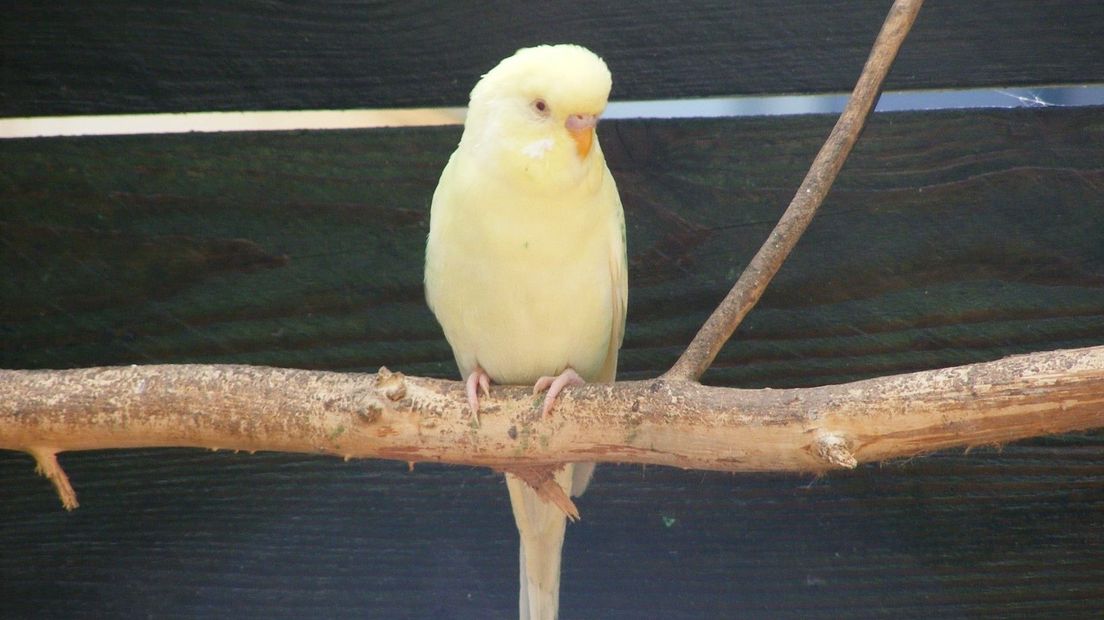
682 424
720 325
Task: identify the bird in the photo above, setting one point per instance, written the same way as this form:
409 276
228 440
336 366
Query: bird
526 267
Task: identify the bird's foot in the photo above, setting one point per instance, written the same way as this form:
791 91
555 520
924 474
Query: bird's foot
555 385
478 381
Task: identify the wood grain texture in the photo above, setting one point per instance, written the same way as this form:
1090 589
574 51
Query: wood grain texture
951 237
175 534
73 57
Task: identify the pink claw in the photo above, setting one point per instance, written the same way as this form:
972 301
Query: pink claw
478 381
555 385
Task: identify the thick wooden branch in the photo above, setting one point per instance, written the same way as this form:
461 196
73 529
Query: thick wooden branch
662 422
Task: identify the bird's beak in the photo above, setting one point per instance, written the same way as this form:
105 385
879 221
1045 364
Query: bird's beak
581 127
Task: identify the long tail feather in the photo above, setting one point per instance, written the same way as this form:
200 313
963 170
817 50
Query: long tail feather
541 527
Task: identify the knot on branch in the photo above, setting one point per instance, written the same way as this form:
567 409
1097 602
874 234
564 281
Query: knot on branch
392 384
835 449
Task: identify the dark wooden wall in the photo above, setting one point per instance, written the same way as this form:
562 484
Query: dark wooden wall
76 57
951 237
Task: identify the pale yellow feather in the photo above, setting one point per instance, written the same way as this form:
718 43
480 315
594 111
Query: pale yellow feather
525 260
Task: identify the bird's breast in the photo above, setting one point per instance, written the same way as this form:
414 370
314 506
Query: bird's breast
525 297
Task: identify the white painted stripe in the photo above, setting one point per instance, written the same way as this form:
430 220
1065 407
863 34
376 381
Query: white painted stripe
122 124
890 102
185 122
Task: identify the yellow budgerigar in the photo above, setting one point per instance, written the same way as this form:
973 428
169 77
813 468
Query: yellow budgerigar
525 261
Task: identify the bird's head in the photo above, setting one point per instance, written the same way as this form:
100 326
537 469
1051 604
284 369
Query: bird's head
535 114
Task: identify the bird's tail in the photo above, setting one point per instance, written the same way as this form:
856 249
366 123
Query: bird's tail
541 526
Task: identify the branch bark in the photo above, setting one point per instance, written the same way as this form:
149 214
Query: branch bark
671 421
676 423
720 325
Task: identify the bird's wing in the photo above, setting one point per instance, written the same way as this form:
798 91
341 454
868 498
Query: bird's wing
619 276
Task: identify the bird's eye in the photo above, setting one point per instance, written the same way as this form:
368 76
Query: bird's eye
540 106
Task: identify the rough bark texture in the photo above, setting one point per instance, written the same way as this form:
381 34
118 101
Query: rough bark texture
683 424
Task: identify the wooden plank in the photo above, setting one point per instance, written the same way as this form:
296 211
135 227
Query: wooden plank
177 533
115 56
951 237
